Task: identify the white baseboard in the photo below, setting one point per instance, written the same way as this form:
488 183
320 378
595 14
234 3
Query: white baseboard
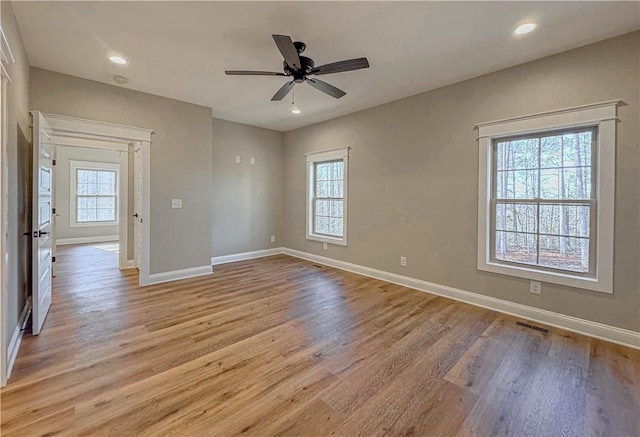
16 338
215 260
157 278
80 240
12 351
129 264
581 326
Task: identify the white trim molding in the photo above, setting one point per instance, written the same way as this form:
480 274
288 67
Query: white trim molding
85 240
574 324
602 115
6 55
14 347
74 127
128 264
16 338
192 272
6 58
224 259
590 114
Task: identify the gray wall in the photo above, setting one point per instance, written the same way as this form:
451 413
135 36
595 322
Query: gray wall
19 170
181 157
62 188
414 168
248 203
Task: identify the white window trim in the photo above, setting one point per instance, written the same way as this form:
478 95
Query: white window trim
73 181
602 115
327 155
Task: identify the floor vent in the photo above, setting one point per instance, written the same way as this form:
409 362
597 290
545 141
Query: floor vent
536 328
316 265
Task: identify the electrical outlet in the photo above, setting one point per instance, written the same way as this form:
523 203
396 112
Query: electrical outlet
253 161
403 261
176 203
273 238
237 159
535 287
324 246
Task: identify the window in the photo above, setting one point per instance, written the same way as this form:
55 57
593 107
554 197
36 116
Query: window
546 194
542 205
94 193
327 196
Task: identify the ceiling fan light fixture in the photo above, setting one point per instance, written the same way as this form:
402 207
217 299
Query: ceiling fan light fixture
525 28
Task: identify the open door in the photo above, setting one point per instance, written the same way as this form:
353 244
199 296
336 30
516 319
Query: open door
54 214
41 224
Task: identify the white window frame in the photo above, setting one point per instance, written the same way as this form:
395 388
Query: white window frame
74 166
602 116
325 156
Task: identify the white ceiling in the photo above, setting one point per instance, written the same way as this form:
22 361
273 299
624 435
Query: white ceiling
181 49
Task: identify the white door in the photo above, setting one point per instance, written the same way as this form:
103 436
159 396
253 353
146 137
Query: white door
41 223
54 214
137 193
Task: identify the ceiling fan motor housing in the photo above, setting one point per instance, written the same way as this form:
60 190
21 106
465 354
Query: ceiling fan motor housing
306 65
300 46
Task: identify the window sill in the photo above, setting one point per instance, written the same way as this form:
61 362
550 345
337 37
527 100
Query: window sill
566 279
93 224
328 240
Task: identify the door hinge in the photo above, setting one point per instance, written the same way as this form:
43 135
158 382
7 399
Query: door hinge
53 210
53 259
54 162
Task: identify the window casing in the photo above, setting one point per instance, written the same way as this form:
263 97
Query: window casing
546 196
327 175
93 194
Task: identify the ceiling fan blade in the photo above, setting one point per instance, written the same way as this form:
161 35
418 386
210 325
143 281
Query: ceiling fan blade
252 73
288 50
337 67
282 92
326 88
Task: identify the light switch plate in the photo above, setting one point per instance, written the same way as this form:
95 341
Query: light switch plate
176 203
253 161
237 159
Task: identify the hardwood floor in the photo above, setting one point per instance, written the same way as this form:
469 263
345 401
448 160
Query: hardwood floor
283 346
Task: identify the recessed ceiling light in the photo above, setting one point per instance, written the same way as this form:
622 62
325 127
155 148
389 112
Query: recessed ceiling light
118 60
524 28
296 111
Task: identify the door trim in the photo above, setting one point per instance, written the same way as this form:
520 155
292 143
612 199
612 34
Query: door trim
6 58
78 132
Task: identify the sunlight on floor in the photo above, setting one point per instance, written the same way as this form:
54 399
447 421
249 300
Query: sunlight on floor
108 247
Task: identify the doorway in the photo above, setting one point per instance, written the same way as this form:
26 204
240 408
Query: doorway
132 145
91 188
94 193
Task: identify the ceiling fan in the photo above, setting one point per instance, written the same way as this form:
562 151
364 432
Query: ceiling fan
300 68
